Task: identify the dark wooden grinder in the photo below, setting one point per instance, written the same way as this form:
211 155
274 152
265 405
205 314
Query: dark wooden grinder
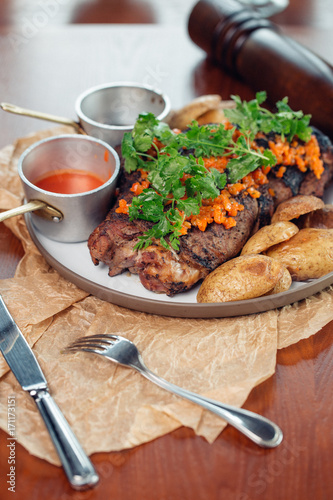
254 49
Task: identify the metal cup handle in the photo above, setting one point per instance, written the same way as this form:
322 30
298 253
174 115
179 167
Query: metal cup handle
12 108
44 210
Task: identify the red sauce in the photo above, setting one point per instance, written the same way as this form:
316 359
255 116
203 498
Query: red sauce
68 181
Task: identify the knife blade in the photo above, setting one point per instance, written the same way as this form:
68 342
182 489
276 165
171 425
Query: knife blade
24 365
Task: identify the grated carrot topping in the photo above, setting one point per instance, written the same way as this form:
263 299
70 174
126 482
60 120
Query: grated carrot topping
304 156
254 193
219 162
144 173
259 176
236 188
230 222
280 172
138 187
224 208
221 210
185 226
123 207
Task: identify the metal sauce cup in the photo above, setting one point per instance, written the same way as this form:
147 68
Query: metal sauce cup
79 213
107 111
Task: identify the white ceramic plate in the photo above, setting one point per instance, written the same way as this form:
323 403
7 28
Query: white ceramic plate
72 260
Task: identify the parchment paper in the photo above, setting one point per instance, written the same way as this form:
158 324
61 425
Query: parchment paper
111 407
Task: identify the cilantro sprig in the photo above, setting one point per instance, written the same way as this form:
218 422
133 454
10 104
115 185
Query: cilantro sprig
165 204
250 115
170 198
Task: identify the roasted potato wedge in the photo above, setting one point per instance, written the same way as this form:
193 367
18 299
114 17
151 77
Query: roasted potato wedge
307 255
211 116
296 206
191 111
321 219
268 236
283 284
215 115
244 277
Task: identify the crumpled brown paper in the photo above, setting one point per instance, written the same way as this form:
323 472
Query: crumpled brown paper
111 407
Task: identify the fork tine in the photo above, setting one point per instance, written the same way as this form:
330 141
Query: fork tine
111 336
106 335
94 338
93 344
108 339
84 348
90 341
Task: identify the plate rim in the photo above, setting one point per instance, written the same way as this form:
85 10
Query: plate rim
181 309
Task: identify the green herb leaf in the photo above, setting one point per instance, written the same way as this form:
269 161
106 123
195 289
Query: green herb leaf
190 206
251 116
148 206
178 190
158 231
219 178
129 153
203 185
239 168
143 134
179 180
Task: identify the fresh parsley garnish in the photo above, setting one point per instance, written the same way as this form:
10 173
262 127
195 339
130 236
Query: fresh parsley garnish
178 178
251 116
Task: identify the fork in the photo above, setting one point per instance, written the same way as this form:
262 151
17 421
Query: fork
259 429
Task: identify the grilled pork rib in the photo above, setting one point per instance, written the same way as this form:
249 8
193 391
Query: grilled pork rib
171 272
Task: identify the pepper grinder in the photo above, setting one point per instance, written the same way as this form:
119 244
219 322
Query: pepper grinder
253 49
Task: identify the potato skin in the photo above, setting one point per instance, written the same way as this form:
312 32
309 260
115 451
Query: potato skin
191 111
268 236
283 284
322 218
296 206
242 278
307 255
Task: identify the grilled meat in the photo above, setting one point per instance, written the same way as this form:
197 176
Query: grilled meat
171 272
294 182
161 270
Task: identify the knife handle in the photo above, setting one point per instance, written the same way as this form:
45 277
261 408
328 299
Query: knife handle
77 466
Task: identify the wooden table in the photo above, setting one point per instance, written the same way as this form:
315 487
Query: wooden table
46 72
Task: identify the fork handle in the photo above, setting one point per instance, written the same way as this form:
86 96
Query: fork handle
77 466
259 429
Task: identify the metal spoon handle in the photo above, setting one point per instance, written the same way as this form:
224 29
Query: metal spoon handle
12 108
259 429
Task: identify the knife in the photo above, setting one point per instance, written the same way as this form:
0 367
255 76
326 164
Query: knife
21 360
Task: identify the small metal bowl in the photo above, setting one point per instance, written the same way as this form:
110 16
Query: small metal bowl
79 213
108 111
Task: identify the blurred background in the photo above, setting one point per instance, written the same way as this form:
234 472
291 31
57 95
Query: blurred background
52 50
14 13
